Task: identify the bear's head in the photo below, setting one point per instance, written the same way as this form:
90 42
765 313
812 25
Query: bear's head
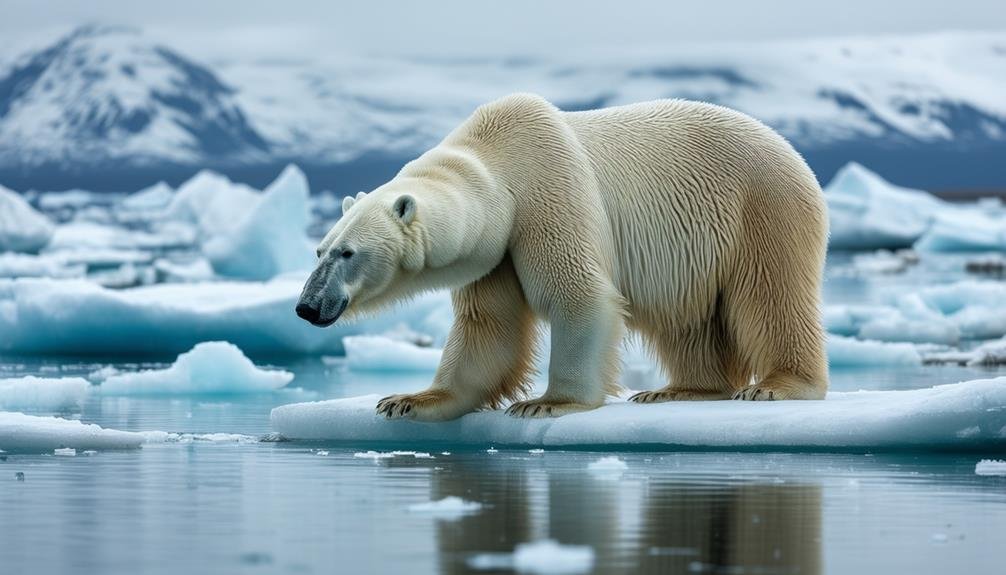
363 258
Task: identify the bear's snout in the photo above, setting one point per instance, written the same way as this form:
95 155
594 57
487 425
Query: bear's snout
308 313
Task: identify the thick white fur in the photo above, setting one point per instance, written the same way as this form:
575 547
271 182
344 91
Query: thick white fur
693 224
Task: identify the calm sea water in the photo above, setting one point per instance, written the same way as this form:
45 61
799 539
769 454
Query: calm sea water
262 507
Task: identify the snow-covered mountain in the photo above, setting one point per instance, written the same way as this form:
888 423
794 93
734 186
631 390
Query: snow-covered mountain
925 111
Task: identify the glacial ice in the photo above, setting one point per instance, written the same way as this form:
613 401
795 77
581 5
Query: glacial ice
32 393
380 353
211 202
20 433
151 198
923 419
270 239
14 265
865 211
22 229
73 316
210 367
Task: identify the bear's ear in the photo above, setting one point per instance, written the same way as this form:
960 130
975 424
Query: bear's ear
347 203
405 208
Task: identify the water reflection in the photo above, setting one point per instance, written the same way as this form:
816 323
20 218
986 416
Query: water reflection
637 524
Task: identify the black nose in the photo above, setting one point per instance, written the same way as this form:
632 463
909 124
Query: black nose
307 312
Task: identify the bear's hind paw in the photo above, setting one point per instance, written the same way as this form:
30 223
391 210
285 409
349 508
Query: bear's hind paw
429 405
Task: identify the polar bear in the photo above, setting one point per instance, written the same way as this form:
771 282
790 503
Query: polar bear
691 224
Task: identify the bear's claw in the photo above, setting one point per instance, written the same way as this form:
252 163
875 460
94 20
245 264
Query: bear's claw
395 406
755 393
539 408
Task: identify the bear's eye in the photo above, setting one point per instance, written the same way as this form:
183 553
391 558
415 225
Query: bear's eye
346 254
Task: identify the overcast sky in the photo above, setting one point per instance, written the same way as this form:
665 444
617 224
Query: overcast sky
218 28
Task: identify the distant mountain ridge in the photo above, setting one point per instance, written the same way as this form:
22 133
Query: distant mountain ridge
108 108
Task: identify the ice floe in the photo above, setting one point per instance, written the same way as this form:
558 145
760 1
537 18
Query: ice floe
20 433
209 367
448 509
22 229
74 316
155 197
271 238
545 557
990 467
849 352
32 393
379 353
988 354
923 419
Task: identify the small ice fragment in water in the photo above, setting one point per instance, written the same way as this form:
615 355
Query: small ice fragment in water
608 467
19 475
449 508
492 450
536 451
65 451
321 452
939 538
990 467
90 452
545 557
445 453
372 455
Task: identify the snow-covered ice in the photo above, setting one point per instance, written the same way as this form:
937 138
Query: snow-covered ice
65 452
379 353
73 316
43 394
448 509
13 265
271 238
988 354
22 229
210 367
610 467
22 433
155 197
545 557
211 202
990 467
850 352
931 418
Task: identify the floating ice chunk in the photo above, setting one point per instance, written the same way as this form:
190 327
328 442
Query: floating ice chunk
49 316
850 352
882 262
957 229
866 211
546 557
151 198
211 202
196 270
378 353
32 434
449 508
988 354
165 437
271 238
607 467
22 229
210 367
65 452
82 237
15 265
991 467
875 420
375 455
42 394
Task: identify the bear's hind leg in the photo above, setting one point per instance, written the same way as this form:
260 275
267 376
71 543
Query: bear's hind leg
701 364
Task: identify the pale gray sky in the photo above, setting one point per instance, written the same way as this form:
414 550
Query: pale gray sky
456 27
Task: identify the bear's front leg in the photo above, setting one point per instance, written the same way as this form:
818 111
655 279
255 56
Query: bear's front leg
488 357
584 362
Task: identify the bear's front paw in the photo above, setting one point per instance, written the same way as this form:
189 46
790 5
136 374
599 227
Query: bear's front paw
545 408
429 405
395 406
757 393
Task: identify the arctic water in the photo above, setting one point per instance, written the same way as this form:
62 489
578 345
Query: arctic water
242 504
